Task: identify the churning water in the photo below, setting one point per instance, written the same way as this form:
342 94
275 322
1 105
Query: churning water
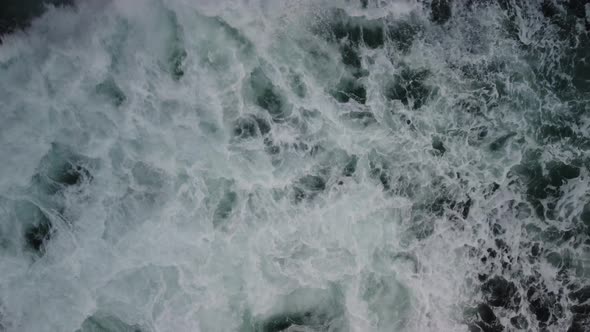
274 165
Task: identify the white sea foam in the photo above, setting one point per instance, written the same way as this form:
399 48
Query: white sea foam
368 215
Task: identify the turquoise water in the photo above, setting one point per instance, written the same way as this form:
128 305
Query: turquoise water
244 165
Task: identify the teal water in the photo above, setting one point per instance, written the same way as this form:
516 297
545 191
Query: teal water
243 165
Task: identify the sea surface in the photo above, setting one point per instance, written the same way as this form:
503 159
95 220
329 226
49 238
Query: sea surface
297 166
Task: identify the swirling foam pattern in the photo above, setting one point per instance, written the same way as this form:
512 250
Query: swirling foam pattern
241 165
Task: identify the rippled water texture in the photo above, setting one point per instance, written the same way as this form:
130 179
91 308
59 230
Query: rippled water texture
241 165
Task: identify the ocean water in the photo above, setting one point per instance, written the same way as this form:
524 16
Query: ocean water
274 165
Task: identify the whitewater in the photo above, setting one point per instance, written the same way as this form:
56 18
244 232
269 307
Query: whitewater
274 165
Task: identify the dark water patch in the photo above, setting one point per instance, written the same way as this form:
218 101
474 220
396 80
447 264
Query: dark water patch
3 325
481 72
541 306
37 226
18 14
491 189
408 122
580 323
497 257
499 292
421 226
583 225
520 322
72 175
225 207
555 235
372 33
543 184
542 303
350 88
350 34
486 320
263 125
402 34
176 50
536 249
504 4
551 133
523 210
580 317
560 260
389 256
176 60
107 323
500 142
340 27
506 259
488 257
110 90
364 118
62 168
250 126
565 126
567 72
63 174
355 31
350 167
302 149
222 201
302 310
379 170
470 105
270 147
308 319
486 314
498 230
308 187
580 295
409 87
521 293
581 68
577 7
560 173
268 96
440 11
549 8
246 128
350 57
441 202
438 146
463 207
36 236
510 27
